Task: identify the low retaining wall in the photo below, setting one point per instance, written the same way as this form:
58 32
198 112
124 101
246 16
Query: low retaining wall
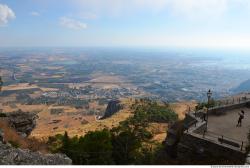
192 145
248 159
223 109
200 130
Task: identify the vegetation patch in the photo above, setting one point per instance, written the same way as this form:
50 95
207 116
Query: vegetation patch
153 111
3 115
14 144
203 105
128 143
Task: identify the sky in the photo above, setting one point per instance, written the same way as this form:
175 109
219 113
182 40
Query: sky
125 23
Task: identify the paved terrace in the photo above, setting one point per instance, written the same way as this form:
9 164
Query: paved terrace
225 124
222 123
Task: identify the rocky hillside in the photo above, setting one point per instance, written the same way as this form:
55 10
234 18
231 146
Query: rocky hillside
10 155
17 149
14 156
116 111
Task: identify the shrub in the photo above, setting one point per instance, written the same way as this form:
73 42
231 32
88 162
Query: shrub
3 115
202 105
14 144
154 112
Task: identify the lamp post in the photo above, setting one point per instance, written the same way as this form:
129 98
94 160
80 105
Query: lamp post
209 95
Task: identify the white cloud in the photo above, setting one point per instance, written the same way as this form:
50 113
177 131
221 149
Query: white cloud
183 8
6 14
34 13
72 24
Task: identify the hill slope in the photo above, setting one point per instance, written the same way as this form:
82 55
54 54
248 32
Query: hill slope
43 130
243 87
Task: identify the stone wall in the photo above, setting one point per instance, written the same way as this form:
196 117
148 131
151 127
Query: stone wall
192 145
248 159
222 109
201 129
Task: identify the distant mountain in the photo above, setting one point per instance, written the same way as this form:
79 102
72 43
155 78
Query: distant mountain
243 87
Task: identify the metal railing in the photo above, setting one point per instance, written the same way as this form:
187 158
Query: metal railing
223 103
232 101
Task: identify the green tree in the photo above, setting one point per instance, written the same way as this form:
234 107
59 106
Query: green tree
96 148
128 138
125 145
154 112
65 143
202 105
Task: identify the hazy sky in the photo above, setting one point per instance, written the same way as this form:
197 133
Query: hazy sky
188 23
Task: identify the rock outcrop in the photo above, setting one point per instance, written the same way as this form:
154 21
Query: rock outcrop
113 107
14 156
22 122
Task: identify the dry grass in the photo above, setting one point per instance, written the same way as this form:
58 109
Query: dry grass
74 125
49 89
44 130
182 108
10 135
19 86
159 131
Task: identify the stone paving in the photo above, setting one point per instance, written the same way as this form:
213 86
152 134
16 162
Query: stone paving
226 124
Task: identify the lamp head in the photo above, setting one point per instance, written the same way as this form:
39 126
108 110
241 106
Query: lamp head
209 93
